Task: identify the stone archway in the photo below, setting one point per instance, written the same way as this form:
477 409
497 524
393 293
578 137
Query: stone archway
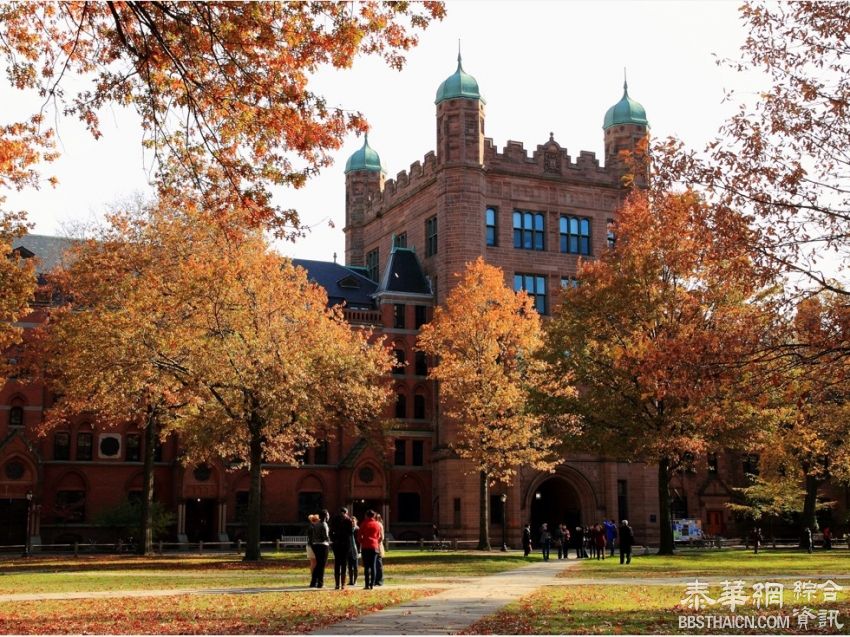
563 497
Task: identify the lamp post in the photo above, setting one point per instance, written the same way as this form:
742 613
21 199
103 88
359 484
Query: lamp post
504 498
29 525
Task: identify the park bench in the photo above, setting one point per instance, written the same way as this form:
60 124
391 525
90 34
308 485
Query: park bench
293 541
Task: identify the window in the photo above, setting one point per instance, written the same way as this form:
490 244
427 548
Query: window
575 235
528 230
372 264
623 499
400 457
569 282
400 363
84 445
535 286
419 407
418 453
490 225
400 240
134 448
420 316
679 506
610 234
712 463
420 364
16 417
398 315
431 236
456 512
320 453
401 406
751 464
308 502
408 507
71 505
61 445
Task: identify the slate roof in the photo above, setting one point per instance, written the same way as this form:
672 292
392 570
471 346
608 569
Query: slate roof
341 283
48 250
404 274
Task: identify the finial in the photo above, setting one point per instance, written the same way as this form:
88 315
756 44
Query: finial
334 257
458 54
366 139
551 136
625 82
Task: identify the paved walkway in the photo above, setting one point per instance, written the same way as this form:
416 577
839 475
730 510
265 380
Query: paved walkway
455 609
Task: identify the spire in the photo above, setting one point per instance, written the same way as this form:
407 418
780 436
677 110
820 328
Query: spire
459 59
625 81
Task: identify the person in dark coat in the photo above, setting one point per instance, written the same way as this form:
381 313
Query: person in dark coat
341 532
354 553
558 539
578 540
545 541
626 540
526 540
756 538
318 538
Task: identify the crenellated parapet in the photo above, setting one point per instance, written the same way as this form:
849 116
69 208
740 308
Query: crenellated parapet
406 182
548 160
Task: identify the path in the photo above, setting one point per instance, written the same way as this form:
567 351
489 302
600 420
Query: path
455 609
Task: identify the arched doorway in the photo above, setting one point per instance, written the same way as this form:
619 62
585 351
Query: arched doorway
555 501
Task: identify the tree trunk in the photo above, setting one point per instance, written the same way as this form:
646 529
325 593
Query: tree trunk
145 545
665 521
809 517
252 547
484 515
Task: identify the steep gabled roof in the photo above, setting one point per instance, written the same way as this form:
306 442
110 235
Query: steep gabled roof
341 283
404 274
48 250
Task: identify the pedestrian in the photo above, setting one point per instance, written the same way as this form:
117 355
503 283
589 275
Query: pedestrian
827 538
526 539
808 542
600 542
558 540
354 553
379 560
545 541
318 535
756 538
626 540
341 531
566 541
311 556
610 535
369 537
578 540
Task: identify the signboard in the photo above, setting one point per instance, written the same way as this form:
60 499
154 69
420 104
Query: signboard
687 529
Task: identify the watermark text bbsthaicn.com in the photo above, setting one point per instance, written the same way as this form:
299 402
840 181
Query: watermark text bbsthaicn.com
734 622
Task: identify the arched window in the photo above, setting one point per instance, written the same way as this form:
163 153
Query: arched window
421 364
401 406
400 362
575 235
16 417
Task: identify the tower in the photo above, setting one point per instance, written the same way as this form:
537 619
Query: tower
460 119
625 125
364 181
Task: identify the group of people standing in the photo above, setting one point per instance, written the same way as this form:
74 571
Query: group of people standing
350 542
588 542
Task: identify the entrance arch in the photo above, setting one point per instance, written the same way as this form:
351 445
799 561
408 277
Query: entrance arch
555 501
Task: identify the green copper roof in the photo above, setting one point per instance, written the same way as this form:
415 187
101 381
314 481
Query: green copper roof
460 84
364 159
626 111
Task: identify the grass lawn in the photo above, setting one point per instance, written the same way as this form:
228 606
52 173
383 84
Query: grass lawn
630 603
635 609
727 562
108 573
265 613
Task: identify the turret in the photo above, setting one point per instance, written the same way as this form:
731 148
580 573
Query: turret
364 181
460 119
625 125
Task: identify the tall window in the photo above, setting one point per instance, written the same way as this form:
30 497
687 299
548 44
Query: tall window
400 456
751 464
71 505
490 225
84 445
575 235
431 236
420 364
418 453
16 417
401 406
309 502
61 445
528 230
535 286
400 240
372 264
611 236
134 448
398 366
419 407
420 316
320 453
398 315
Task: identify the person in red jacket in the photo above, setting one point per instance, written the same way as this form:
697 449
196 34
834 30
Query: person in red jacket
369 537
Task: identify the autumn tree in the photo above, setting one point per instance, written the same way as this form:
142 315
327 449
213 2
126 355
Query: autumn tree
484 341
221 85
655 334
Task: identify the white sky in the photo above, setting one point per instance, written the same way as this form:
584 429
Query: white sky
541 67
